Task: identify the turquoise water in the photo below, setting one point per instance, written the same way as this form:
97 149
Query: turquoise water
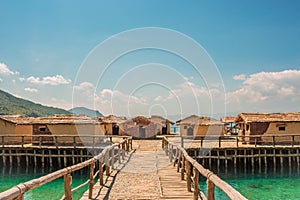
254 186
265 186
52 190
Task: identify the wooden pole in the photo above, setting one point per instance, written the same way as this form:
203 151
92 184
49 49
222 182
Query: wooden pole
92 166
196 182
188 176
182 167
210 190
68 185
100 172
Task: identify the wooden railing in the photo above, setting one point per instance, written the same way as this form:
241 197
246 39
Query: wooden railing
55 140
238 140
190 168
105 159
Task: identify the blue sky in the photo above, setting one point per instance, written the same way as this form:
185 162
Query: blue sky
44 43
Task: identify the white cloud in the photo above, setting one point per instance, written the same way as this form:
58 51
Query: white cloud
267 87
240 77
5 70
85 86
48 80
31 90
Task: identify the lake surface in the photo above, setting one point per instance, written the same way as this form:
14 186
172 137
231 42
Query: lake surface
265 186
262 186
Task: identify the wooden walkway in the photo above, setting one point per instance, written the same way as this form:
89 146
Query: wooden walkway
146 173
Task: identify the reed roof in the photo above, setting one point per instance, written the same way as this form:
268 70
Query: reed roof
268 117
228 119
111 119
199 120
55 119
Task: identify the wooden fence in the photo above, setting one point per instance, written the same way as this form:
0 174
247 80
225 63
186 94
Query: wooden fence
105 159
190 168
238 140
55 140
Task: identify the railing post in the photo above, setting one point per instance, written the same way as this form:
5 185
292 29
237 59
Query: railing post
107 167
196 182
176 156
101 172
255 142
201 142
56 141
237 141
3 141
182 142
40 141
293 140
22 141
220 141
74 141
112 160
92 166
119 153
182 167
93 142
210 190
67 186
188 176
179 160
170 152
273 140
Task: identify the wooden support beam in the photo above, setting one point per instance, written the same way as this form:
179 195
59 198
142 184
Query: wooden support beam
92 166
210 190
67 186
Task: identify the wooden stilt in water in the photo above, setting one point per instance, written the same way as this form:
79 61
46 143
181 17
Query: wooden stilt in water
65 158
245 161
266 161
10 158
50 158
34 158
43 158
259 161
226 162
18 159
252 161
234 161
274 160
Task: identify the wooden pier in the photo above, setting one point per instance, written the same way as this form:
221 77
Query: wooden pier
143 169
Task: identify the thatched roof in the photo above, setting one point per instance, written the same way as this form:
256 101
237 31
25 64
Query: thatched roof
227 119
55 119
199 120
141 121
111 119
268 117
161 120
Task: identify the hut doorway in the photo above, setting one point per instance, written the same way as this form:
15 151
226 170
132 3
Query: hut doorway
190 131
164 130
115 130
142 132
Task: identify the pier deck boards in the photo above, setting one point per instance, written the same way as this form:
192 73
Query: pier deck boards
147 174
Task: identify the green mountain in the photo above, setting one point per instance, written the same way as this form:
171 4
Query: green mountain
11 105
85 111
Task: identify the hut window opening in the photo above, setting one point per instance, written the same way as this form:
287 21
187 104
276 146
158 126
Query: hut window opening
42 129
281 128
247 127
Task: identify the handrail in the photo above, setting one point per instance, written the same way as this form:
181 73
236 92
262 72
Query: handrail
53 140
270 139
105 158
187 165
